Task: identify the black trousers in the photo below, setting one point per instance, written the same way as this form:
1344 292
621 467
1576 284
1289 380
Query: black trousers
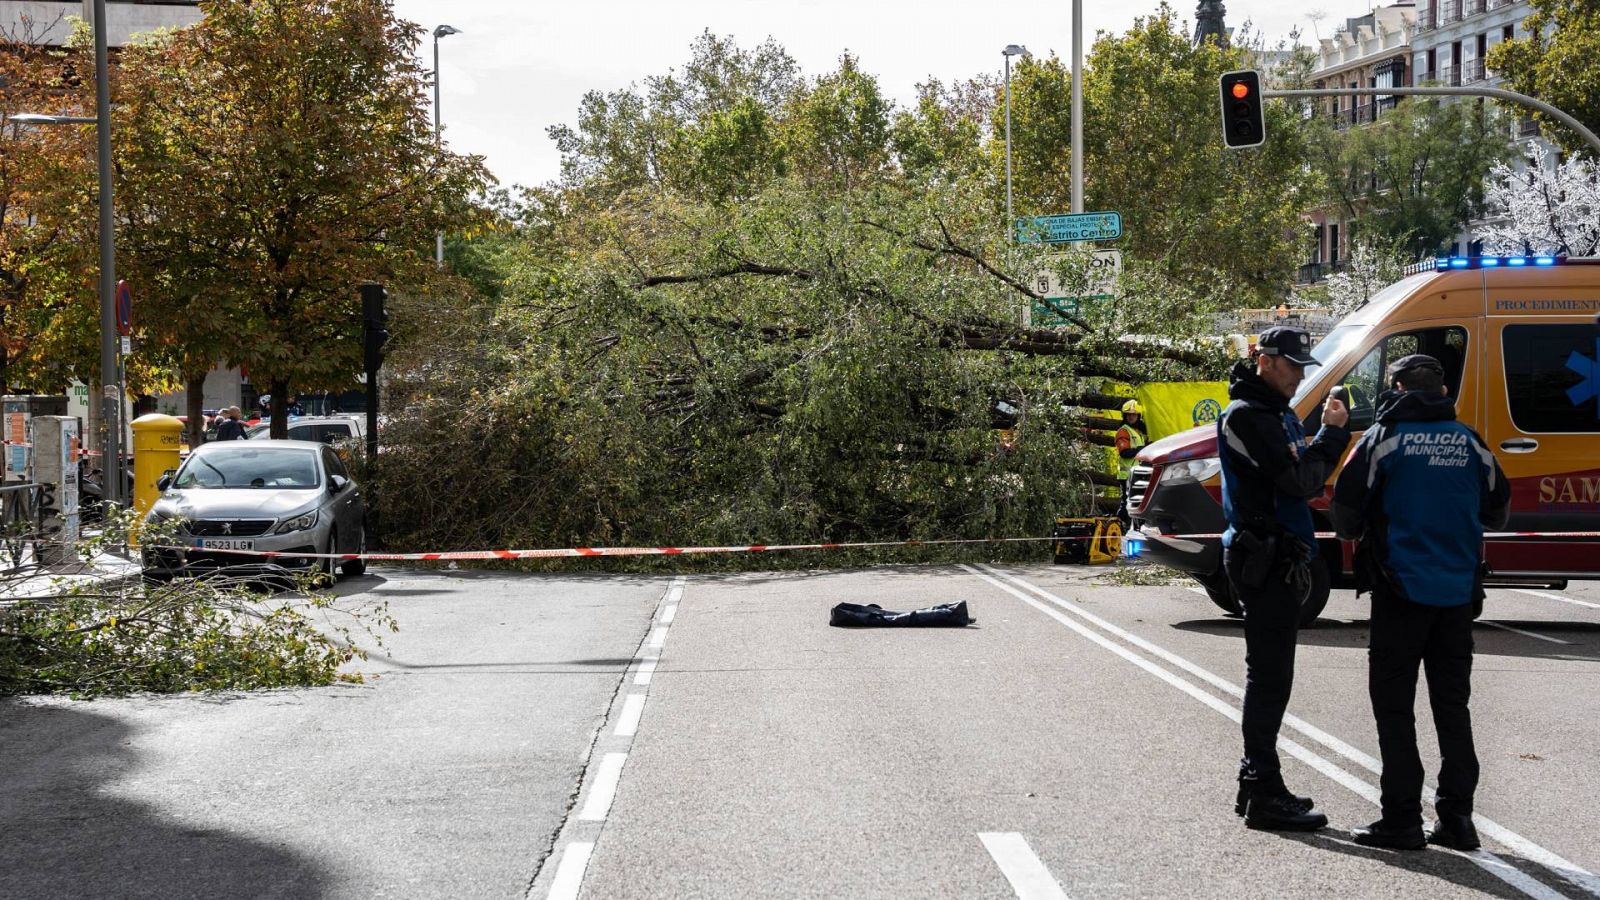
1439 638
1271 627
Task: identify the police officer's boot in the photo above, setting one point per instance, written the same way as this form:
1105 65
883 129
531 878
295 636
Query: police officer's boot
1266 804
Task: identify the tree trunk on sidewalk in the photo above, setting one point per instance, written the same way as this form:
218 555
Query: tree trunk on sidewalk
194 395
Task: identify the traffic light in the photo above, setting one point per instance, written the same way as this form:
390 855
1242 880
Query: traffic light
374 318
1243 124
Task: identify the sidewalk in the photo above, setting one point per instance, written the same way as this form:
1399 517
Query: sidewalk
29 580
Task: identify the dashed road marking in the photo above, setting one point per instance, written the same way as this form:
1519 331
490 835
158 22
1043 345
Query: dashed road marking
569 874
604 789
668 614
1491 863
647 669
657 638
1021 866
628 722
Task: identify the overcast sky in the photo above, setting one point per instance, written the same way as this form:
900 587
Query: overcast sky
520 66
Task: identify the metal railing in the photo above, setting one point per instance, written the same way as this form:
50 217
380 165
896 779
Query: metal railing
1527 128
1449 11
21 520
1472 71
1313 272
1474 7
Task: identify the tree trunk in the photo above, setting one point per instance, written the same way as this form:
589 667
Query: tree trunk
280 408
194 395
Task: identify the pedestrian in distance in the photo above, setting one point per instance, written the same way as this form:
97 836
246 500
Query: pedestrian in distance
1268 472
230 428
1418 491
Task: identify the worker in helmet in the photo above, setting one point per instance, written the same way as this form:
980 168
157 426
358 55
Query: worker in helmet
1131 438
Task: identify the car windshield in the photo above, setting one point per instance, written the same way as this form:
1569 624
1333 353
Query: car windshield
1339 341
275 467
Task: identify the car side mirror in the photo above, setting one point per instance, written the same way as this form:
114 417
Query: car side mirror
338 483
165 481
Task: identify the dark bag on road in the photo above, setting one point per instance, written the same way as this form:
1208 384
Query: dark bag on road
945 615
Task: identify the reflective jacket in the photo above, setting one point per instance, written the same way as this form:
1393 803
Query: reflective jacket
1268 469
1418 491
1130 440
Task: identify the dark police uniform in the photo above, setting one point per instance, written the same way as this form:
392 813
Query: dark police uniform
1418 491
1268 472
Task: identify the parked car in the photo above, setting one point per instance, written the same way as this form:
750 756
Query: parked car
285 496
323 429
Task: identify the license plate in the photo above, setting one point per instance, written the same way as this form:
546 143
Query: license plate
223 544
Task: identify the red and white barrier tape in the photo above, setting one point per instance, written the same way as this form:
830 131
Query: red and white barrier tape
592 551
580 552
1329 535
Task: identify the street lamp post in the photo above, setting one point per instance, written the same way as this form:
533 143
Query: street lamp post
110 351
1010 51
441 31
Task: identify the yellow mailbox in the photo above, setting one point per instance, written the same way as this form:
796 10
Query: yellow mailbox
156 442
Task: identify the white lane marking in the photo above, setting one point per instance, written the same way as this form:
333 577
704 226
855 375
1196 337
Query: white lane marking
657 638
668 614
632 710
604 789
1556 597
1504 627
1021 866
569 874
1518 844
647 668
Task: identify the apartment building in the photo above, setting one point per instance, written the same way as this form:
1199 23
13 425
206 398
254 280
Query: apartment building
48 22
1453 37
1370 51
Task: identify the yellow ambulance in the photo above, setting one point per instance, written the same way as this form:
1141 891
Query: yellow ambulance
1519 338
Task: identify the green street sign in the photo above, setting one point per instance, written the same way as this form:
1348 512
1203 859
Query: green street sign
1048 313
1095 226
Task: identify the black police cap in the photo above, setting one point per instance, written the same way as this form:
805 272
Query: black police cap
1293 344
1412 362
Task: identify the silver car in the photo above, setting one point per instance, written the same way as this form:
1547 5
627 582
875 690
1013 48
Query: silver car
285 496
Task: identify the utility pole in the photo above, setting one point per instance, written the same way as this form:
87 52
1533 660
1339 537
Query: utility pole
110 356
1010 51
1077 106
441 31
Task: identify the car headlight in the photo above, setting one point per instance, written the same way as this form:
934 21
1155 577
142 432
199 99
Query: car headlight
298 523
1191 470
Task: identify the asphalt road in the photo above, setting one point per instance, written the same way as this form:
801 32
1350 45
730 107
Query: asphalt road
549 736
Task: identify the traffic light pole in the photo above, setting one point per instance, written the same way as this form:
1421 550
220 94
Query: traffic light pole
1495 93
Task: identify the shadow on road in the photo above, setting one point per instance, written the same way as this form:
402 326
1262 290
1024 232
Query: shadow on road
1490 640
64 832
1443 865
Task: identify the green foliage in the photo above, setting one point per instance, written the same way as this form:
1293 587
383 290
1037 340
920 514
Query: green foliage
1416 177
273 156
90 638
1153 151
1558 61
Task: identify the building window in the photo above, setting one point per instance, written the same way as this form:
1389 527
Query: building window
1333 244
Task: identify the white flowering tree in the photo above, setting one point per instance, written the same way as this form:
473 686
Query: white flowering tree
1372 266
1544 208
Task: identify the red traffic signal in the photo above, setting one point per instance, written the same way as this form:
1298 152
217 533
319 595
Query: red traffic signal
1243 121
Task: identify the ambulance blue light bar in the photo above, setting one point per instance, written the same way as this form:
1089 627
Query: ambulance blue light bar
1453 263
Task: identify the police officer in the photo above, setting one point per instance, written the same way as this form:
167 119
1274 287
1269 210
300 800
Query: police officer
1418 491
1268 472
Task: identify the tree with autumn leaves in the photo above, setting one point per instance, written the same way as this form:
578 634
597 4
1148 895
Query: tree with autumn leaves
268 160
271 158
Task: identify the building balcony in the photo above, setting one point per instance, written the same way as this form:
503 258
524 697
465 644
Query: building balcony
1474 7
1449 11
1313 272
1526 128
1472 71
